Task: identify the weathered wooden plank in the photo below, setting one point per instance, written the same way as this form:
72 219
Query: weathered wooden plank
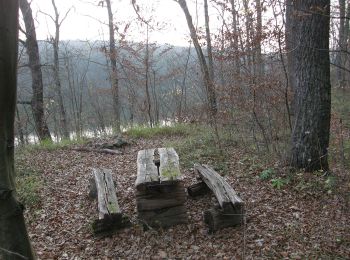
106 194
224 193
164 218
198 189
147 171
111 196
110 216
216 218
144 203
169 169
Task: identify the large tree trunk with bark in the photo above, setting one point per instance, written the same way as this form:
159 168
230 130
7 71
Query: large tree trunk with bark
310 137
14 240
31 45
114 72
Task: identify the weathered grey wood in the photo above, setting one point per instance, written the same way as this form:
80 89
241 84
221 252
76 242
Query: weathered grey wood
106 151
224 193
160 195
144 203
217 218
198 189
165 217
147 171
169 169
92 189
110 215
106 194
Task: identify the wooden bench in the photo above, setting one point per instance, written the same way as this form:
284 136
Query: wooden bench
160 194
230 211
110 216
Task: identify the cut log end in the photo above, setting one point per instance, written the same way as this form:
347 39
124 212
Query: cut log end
217 219
109 224
198 189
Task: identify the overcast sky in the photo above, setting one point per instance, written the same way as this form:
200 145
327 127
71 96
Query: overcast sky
84 20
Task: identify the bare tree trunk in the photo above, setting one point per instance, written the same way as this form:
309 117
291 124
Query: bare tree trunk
149 108
237 61
248 31
14 240
113 60
209 84
341 58
208 39
56 70
290 49
310 137
31 45
259 61
19 128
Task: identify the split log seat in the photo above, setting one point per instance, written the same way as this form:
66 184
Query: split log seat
160 194
110 215
230 210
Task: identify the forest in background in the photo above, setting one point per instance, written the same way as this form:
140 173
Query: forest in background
162 84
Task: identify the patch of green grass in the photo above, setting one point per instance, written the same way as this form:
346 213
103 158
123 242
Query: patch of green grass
150 132
29 185
200 146
315 183
49 145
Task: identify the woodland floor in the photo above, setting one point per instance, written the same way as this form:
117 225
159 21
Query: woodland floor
285 223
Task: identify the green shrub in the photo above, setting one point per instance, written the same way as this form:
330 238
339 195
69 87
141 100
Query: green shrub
267 174
49 145
278 183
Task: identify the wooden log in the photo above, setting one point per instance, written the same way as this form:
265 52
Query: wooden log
169 169
106 151
147 171
198 189
165 217
217 218
110 215
224 193
160 203
92 189
161 196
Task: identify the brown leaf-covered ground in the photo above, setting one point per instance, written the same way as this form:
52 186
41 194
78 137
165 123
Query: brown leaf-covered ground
284 223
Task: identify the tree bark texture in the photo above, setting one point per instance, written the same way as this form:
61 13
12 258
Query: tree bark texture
310 136
14 240
35 69
113 60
